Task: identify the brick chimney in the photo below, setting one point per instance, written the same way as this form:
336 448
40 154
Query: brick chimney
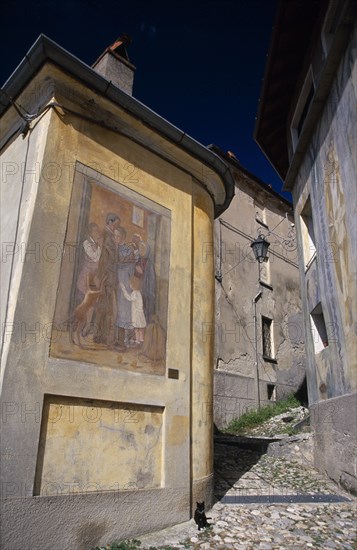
114 64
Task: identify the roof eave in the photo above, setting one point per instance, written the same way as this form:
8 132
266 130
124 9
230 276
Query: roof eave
237 165
44 49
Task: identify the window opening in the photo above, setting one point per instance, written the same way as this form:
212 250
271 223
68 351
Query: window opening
267 337
308 233
271 390
318 329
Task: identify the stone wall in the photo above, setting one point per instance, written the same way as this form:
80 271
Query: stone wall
274 284
335 442
327 180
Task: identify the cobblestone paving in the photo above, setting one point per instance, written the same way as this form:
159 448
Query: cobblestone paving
269 475
293 525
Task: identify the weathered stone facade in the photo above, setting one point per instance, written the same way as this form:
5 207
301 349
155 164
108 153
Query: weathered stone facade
327 179
274 284
317 159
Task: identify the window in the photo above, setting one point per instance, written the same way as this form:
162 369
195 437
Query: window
330 25
302 108
308 233
318 61
260 218
267 337
264 273
271 391
305 109
260 213
318 329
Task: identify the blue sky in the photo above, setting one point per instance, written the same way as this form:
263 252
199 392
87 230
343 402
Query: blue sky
200 63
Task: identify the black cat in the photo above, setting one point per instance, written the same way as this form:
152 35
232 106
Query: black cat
200 516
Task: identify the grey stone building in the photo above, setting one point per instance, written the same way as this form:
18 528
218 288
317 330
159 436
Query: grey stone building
306 126
258 331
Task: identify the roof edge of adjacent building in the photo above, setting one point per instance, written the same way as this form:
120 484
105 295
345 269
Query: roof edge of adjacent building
235 162
289 60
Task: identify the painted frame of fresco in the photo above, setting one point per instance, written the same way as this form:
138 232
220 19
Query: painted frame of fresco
112 298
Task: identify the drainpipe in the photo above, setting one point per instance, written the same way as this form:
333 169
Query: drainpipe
218 274
255 300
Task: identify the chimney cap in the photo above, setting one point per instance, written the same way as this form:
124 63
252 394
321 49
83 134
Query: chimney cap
120 45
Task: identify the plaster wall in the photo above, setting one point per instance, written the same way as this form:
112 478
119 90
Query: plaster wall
79 521
327 177
128 439
155 417
254 210
202 352
20 174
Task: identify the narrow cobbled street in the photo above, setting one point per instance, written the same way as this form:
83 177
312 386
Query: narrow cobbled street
266 501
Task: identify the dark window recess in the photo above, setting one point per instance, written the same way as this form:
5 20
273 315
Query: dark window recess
333 19
305 109
271 392
318 61
266 333
266 285
261 222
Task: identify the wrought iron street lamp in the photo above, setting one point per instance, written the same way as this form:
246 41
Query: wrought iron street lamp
260 248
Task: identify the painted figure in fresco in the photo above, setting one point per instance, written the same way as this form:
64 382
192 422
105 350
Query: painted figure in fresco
138 321
106 308
145 271
112 301
126 261
91 256
83 313
154 346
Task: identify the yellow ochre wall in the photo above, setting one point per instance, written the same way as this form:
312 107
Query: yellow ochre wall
71 453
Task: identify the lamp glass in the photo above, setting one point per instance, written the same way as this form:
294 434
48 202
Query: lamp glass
260 248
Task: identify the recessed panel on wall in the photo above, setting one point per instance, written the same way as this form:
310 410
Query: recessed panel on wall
112 297
92 445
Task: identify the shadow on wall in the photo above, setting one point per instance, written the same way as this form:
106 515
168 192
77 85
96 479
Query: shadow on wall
234 455
231 461
301 394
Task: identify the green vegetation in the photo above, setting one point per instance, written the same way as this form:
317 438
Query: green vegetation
132 544
186 543
252 419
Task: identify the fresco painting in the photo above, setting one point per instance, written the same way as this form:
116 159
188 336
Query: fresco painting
112 297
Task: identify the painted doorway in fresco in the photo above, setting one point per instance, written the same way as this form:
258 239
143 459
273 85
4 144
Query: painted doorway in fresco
112 298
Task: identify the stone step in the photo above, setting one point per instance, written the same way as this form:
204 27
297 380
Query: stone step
282 499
